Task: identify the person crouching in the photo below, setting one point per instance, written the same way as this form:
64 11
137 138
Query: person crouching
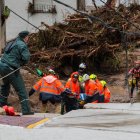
73 84
50 89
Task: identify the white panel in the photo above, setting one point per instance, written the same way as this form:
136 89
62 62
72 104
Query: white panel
15 24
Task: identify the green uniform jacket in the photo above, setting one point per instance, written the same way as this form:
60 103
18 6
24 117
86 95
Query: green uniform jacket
18 56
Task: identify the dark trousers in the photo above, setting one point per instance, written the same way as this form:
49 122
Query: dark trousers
45 97
68 104
17 82
96 97
71 104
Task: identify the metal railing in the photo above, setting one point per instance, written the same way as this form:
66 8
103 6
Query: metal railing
44 8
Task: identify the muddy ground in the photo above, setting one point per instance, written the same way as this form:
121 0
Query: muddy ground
115 84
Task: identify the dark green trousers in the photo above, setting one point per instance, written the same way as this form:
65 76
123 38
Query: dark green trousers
17 82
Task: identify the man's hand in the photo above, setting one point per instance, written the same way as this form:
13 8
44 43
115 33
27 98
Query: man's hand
31 92
74 93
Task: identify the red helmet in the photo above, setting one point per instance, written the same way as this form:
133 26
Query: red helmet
11 111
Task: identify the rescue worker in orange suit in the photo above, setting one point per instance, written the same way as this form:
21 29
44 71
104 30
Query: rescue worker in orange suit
135 73
98 83
72 84
91 90
106 92
50 89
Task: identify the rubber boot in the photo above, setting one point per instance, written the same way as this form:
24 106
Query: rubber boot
25 106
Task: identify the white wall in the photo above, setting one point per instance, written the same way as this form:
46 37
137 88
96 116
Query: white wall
2 28
99 3
14 24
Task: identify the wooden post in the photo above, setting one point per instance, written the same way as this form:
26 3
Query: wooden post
2 27
81 5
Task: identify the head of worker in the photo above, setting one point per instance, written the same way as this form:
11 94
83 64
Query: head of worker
86 78
82 67
74 76
103 83
93 76
137 64
24 35
51 71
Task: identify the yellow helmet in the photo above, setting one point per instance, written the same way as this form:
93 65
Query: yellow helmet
103 83
93 76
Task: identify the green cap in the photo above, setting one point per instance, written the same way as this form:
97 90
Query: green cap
23 34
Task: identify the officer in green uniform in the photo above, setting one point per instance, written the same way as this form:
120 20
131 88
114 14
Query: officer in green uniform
16 54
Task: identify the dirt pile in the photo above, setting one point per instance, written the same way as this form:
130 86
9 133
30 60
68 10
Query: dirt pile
79 38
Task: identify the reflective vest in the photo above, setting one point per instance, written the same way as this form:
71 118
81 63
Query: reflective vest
55 87
90 87
99 85
74 87
80 78
107 94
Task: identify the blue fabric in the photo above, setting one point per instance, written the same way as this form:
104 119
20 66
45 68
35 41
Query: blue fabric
50 97
83 96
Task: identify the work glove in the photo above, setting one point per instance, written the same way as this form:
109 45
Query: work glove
66 92
39 73
31 92
82 102
74 93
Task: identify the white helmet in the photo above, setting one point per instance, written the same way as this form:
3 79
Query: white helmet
82 65
86 77
51 71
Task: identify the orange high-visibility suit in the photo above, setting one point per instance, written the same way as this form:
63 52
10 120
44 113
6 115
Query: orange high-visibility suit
49 84
74 86
99 85
50 89
91 91
71 102
107 94
90 87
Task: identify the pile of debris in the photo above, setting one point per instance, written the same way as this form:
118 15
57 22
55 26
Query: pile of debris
81 39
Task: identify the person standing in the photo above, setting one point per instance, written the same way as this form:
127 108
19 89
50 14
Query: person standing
16 54
81 72
135 75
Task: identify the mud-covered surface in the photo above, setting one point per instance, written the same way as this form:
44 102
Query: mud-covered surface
115 84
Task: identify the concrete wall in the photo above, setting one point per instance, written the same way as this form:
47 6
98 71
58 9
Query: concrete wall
14 24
